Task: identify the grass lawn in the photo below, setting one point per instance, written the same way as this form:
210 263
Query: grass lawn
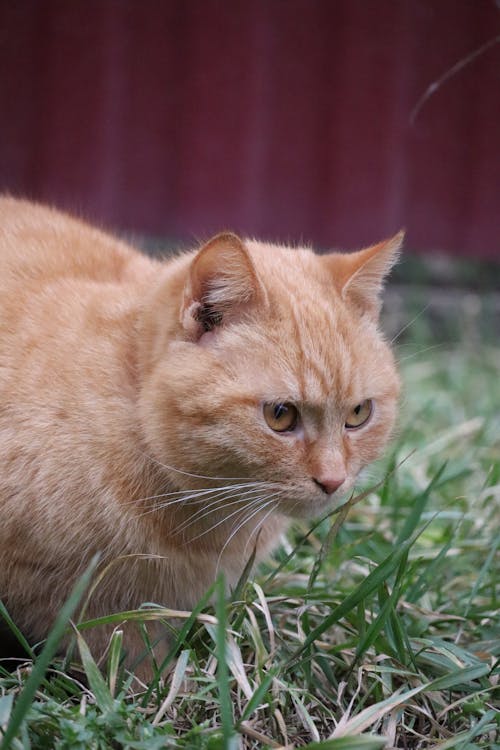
380 632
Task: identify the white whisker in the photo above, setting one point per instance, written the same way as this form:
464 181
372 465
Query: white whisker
258 526
189 473
193 492
200 496
253 503
242 522
179 494
395 338
237 528
196 496
208 509
421 351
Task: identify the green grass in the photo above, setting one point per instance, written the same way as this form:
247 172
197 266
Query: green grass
383 632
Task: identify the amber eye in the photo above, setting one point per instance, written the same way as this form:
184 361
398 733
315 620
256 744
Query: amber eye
281 417
360 414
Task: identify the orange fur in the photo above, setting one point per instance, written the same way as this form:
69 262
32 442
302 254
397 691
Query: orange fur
131 395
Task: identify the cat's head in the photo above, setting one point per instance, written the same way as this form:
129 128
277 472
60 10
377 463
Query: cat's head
273 370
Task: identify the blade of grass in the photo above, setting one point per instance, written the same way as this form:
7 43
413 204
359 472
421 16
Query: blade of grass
418 588
15 630
353 500
367 587
243 579
370 715
418 505
6 702
359 742
25 698
258 696
376 626
457 677
147 613
192 617
175 685
115 653
229 736
482 573
462 741
97 684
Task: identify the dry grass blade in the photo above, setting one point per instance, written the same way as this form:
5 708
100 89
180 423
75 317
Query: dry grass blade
178 677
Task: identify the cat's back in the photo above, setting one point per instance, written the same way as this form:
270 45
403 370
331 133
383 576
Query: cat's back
39 244
69 301
69 296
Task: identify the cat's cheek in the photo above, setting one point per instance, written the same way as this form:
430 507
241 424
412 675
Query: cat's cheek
366 445
207 339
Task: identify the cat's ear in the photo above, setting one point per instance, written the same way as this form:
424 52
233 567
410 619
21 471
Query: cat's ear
359 276
222 282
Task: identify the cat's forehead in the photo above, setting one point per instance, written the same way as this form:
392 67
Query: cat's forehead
296 266
308 351
317 357
310 345
326 366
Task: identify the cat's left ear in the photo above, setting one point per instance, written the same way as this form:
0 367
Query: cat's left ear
222 283
359 276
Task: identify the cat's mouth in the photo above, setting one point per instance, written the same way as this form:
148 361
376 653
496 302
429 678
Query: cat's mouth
307 506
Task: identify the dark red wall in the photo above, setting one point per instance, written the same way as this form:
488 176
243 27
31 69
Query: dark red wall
289 119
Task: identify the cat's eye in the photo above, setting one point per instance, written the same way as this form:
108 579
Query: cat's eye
359 415
281 417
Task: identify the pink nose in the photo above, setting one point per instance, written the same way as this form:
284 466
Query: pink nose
329 484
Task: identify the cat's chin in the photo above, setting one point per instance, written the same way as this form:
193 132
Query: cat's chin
314 508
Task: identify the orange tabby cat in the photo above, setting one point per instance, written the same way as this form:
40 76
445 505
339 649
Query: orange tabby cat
181 409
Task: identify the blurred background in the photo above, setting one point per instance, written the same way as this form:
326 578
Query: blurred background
331 122
335 122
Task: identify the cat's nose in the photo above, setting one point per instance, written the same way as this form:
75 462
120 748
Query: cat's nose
329 484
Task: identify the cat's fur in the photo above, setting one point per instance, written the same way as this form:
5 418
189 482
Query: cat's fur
128 384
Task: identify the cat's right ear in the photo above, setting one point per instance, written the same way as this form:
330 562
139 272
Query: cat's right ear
222 283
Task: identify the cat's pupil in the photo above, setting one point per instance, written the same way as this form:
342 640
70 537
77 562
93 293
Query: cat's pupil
357 409
280 410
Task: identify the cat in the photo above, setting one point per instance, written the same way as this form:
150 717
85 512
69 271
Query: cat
174 415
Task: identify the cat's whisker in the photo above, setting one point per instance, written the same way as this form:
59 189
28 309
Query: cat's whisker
405 327
239 525
155 508
297 502
193 492
214 505
236 528
189 473
257 502
257 527
421 351
198 496
194 496
178 496
208 509
178 501
246 506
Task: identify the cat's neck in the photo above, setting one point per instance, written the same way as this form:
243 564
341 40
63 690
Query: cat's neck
158 320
